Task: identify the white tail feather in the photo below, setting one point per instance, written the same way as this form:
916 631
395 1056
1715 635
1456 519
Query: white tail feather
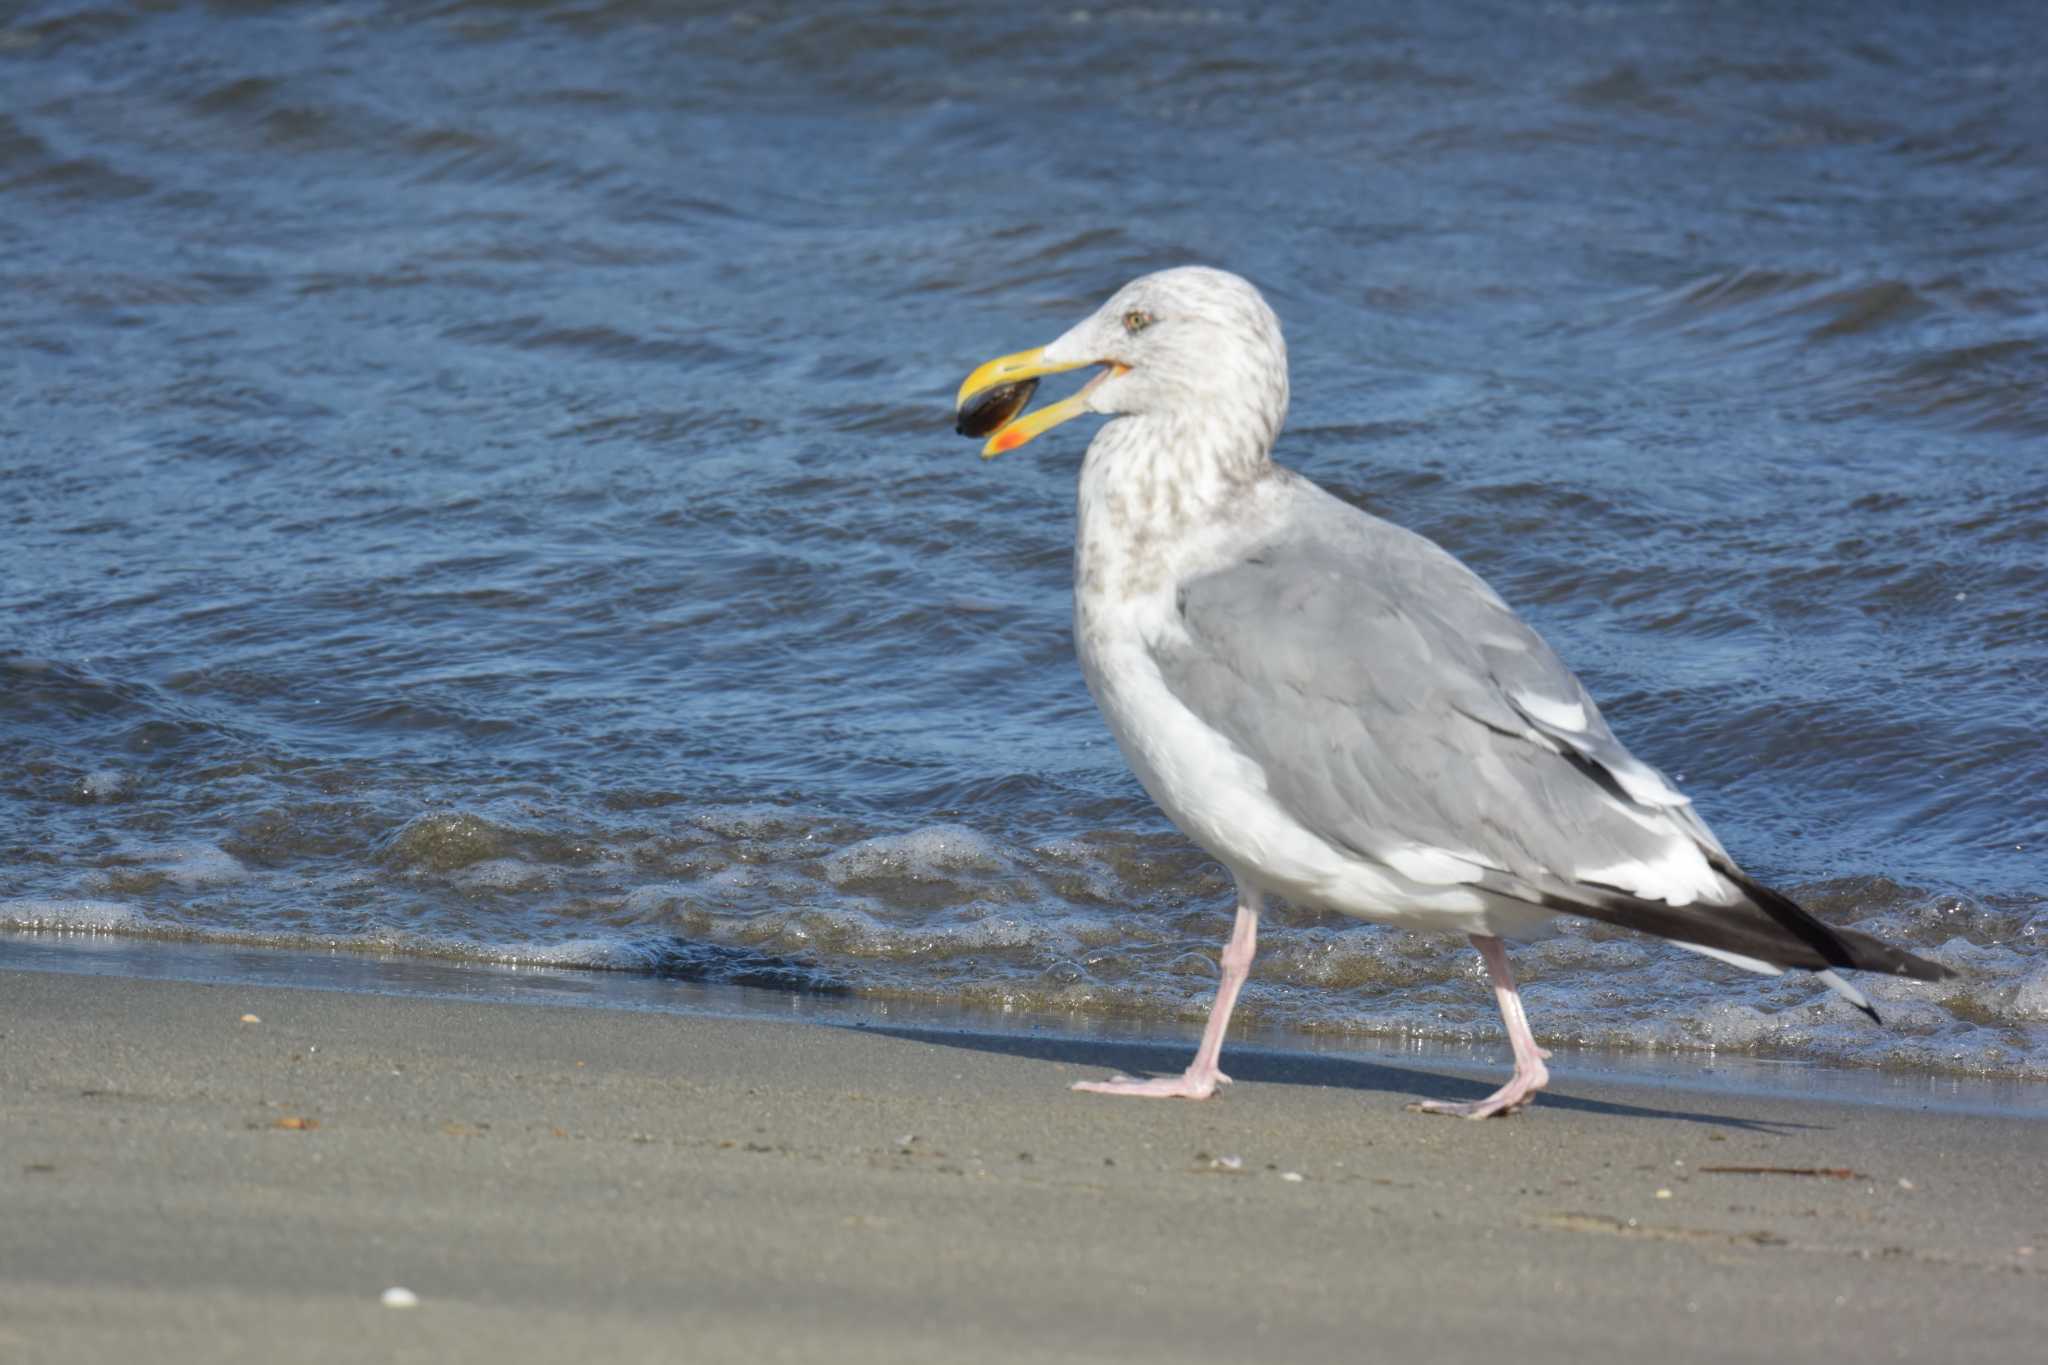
1748 964
1848 992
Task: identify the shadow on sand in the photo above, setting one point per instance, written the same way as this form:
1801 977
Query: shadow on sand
1139 1058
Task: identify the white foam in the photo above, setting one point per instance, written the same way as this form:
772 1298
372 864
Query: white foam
198 865
848 929
70 916
749 822
584 952
1081 867
506 874
103 784
1727 1024
2029 998
923 854
653 898
997 931
611 954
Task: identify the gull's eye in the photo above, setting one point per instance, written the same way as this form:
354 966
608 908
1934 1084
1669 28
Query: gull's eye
1137 320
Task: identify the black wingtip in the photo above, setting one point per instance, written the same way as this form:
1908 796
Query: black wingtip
1838 947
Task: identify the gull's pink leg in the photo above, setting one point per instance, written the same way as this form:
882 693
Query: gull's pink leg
1530 1074
1201 1078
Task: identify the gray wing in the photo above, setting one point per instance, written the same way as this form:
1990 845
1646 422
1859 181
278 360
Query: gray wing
1397 704
1402 712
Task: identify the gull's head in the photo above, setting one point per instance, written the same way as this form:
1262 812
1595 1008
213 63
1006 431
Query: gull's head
1192 343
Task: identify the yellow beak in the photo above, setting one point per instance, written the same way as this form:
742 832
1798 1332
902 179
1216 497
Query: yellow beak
1013 369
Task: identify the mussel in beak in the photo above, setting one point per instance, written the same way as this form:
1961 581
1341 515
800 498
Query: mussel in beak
989 409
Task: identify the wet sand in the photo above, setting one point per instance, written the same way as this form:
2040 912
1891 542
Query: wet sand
557 1183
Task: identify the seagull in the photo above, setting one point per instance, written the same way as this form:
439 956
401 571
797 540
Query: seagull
1334 707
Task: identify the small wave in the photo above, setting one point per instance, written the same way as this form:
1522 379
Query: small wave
922 855
1625 87
444 842
507 874
81 178
167 869
1806 305
485 852
1910 362
1992 386
531 333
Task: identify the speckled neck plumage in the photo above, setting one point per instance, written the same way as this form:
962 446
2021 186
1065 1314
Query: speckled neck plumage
1150 481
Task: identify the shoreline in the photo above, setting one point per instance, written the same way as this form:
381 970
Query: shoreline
351 971
732 1186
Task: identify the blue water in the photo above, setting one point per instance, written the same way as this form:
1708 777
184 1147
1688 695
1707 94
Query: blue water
478 481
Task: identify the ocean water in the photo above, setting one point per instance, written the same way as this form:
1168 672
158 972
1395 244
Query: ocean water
477 480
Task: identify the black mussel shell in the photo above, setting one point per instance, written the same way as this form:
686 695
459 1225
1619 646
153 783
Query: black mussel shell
989 409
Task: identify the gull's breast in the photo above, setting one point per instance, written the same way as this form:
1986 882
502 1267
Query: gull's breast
1219 796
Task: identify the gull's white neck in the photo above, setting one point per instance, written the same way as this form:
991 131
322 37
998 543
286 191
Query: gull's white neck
1163 500
1151 486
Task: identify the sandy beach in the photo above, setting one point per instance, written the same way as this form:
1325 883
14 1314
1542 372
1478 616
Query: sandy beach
234 1171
